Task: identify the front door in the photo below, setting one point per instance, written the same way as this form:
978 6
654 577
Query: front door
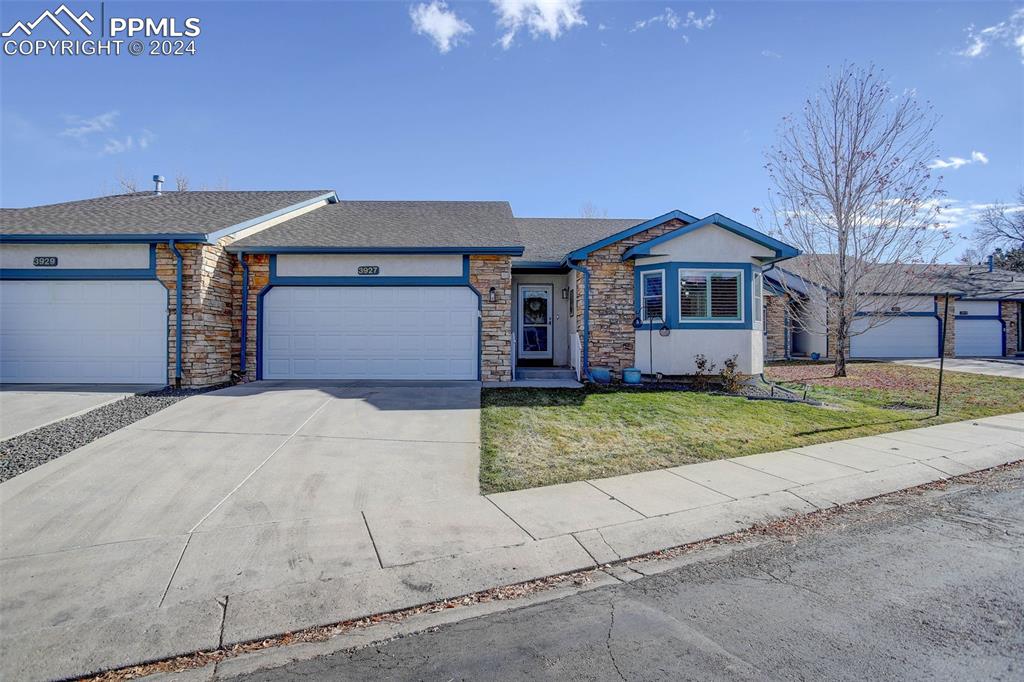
535 321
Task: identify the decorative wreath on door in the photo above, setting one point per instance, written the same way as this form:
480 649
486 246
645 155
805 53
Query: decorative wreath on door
535 305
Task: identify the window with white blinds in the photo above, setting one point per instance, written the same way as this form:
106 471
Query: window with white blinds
652 296
711 294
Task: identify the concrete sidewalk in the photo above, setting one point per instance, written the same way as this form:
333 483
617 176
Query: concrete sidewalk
447 548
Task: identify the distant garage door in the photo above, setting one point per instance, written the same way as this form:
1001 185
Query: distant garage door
324 332
83 332
978 338
898 337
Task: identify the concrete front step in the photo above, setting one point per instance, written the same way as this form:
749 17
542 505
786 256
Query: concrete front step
545 373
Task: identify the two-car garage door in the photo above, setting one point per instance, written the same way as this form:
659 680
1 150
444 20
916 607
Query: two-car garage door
382 332
898 337
83 332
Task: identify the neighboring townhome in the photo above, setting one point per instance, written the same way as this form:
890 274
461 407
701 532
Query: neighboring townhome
985 313
128 289
301 285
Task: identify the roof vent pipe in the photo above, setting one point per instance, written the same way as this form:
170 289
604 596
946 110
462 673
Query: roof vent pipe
991 263
158 182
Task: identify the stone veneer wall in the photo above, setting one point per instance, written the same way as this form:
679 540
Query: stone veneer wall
259 277
207 304
612 304
496 331
778 311
1008 310
940 302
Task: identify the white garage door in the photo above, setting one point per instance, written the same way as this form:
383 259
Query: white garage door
899 337
83 332
370 333
978 338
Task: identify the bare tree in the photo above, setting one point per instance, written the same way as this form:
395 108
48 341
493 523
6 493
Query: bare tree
127 184
851 187
1002 225
181 182
590 210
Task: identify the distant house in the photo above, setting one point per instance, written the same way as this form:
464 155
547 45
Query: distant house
985 313
192 287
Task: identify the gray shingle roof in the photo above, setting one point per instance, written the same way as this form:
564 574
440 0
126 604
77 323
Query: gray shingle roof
393 224
145 213
551 239
960 280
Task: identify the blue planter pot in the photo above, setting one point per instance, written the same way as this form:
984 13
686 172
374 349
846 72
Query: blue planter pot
631 375
601 375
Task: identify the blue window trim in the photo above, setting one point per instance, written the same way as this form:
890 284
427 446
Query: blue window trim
582 253
782 251
83 273
672 294
363 282
640 283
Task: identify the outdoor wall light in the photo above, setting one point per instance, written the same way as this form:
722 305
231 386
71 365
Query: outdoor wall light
492 295
565 294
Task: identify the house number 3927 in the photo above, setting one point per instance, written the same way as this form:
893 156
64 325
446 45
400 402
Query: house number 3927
368 270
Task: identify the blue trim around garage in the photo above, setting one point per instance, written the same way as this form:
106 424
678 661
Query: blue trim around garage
367 281
84 273
582 253
476 250
671 294
781 250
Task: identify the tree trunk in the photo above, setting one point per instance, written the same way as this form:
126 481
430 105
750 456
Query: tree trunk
840 365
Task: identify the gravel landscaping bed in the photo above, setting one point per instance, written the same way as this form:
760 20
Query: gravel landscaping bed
39 446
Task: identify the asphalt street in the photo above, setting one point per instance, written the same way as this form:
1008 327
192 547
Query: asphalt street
910 587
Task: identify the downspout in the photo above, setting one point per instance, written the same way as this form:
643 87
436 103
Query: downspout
177 313
586 317
244 334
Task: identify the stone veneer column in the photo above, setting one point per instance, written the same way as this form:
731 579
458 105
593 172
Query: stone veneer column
1008 310
496 329
612 305
207 305
259 277
778 308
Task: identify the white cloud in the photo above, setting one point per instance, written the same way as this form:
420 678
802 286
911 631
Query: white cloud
539 17
116 145
674 21
1009 33
772 54
440 24
80 128
957 162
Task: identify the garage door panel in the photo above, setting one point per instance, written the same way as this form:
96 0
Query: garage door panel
978 338
898 337
372 332
83 332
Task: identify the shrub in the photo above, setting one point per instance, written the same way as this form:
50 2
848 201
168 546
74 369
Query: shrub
732 380
702 376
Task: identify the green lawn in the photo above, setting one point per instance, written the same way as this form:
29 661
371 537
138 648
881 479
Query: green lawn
535 437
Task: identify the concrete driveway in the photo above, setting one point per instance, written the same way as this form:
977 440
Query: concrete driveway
24 407
255 486
1004 367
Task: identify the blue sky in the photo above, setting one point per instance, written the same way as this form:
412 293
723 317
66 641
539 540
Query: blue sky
637 108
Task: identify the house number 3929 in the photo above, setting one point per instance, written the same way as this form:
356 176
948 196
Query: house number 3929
45 261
